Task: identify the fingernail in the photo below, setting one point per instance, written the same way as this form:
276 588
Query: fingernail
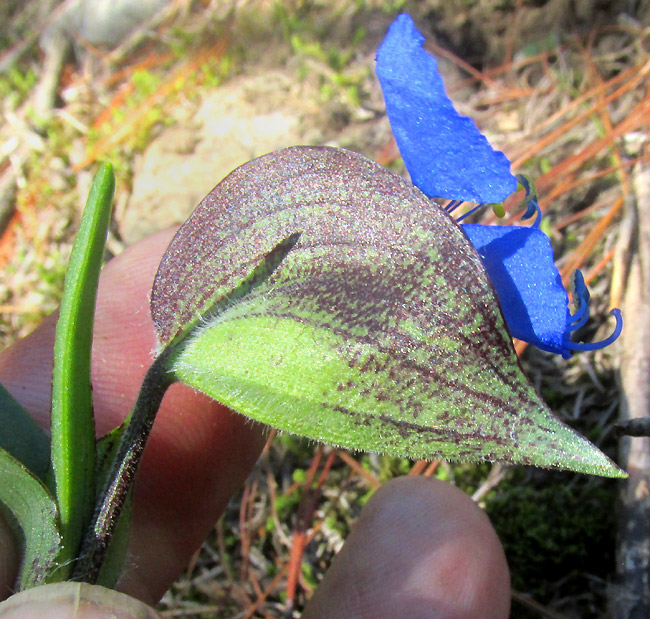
68 600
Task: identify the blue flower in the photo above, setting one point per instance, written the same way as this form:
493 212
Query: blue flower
447 157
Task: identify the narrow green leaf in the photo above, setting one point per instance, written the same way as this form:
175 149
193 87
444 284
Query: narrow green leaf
379 331
27 505
22 437
73 432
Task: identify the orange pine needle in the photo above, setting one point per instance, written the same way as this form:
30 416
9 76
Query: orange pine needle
459 62
432 468
418 467
584 249
600 265
518 158
305 517
359 470
151 61
117 100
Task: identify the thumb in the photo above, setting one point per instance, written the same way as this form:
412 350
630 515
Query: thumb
73 599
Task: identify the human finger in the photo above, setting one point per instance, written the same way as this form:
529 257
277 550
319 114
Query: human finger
420 549
198 453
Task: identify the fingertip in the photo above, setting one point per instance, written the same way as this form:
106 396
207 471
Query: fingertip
421 548
72 599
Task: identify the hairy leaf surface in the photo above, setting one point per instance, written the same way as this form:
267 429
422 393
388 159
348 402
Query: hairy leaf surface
379 330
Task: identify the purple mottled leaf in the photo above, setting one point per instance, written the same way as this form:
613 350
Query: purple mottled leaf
378 330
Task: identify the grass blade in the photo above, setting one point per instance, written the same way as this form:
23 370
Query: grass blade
73 431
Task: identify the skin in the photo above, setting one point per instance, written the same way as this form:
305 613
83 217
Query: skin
421 547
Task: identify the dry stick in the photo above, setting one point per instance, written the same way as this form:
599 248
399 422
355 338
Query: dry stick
136 36
635 427
10 57
631 597
497 473
304 517
260 600
622 260
244 533
284 567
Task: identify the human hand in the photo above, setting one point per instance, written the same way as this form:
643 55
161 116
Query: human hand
421 547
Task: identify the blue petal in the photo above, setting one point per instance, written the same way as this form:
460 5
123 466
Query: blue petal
534 301
444 152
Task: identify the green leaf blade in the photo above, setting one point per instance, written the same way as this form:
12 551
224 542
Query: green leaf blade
73 431
379 331
28 506
298 378
22 437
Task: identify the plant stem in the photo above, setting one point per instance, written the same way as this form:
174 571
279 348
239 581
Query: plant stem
125 464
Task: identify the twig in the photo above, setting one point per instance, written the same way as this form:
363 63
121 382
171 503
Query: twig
528 602
631 597
165 13
497 473
11 56
634 427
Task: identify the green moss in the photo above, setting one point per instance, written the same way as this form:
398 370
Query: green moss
558 538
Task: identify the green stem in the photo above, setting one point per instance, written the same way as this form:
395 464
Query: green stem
129 453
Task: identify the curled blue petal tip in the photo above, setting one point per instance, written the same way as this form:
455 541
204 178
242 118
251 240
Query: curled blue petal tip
581 300
531 199
444 152
579 346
